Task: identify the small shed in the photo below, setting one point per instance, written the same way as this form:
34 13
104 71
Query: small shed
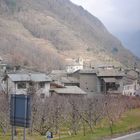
69 91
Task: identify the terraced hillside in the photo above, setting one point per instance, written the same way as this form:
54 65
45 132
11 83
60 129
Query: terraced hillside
42 33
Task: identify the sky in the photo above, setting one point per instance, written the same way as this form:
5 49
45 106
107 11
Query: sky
117 15
120 17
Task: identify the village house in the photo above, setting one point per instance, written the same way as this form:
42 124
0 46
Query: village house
102 79
64 84
131 75
64 78
57 89
89 81
96 81
111 80
73 65
25 83
131 89
131 82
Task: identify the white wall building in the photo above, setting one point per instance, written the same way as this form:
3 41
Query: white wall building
130 90
74 65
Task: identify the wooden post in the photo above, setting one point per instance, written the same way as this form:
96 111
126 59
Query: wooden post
24 134
13 132
24 131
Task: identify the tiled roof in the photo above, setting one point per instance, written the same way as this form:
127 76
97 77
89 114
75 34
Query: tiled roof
109 72
58 72
74 90
89 71
36 77
109 80
69 80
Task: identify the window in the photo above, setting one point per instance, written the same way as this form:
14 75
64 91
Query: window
42 95
21 85
42 85
31 84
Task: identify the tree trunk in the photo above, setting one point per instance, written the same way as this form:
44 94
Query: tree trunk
84 129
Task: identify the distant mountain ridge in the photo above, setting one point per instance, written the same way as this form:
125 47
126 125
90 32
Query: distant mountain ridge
42 33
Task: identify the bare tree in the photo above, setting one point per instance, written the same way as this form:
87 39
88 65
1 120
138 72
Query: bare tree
4 113
74 112
42 116
74 117
114 108
94 111
57 107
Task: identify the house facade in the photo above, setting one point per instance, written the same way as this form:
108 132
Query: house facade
101 80
111 80
131 89
131 82
73 65
89 81
27 84
106 80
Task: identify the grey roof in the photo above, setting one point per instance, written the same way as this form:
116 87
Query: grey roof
74 90
109 80
109 73
131 73
88 71
69 80
58 72
36 77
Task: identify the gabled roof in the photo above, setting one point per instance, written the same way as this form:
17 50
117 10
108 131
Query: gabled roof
36 77
69 80
88 71
70 90
58 72
109 73
109 80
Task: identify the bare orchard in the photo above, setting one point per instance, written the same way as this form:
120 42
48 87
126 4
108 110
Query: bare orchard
74 114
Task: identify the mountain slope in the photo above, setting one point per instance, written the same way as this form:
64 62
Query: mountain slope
43 33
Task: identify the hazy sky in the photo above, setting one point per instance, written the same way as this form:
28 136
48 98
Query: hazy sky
117 15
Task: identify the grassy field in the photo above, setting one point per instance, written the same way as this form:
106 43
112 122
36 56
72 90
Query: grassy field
129 122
